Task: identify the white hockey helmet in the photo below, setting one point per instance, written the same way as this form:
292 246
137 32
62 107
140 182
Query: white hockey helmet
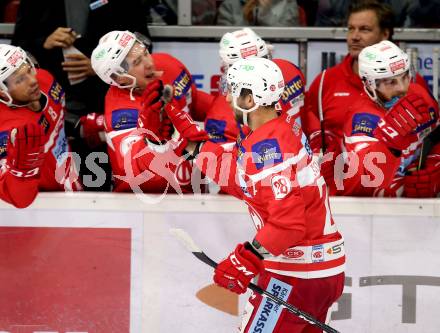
108 57
242 44
381 61
11 59
261 76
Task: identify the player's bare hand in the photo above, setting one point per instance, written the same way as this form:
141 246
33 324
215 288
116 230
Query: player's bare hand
61 37
77 66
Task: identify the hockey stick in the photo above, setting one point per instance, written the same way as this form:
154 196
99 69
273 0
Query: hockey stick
321 113
188 242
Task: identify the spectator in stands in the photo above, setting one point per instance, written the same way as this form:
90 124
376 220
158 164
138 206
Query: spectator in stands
333 13
204 12
279 13
423 14
369 22
134 105
61 35
385 131
34 153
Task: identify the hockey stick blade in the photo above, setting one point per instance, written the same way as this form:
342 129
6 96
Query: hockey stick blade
191 246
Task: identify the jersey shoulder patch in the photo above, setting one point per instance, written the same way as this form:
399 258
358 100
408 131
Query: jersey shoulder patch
3 143
266 152
182 84
364 123
56 92
124 119
216 130
292 90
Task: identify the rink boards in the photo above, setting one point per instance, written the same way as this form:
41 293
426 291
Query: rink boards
107 263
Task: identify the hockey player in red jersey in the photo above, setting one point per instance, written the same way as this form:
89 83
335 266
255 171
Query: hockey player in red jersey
241 44
135 102
34 153
384 133
297 250
336 89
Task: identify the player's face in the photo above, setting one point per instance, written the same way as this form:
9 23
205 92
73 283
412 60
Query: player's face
396 86
140 65
23 85
363 30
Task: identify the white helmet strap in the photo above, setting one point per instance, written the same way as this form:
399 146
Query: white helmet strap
245 111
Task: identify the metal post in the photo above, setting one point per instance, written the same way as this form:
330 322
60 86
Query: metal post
184 16
302 55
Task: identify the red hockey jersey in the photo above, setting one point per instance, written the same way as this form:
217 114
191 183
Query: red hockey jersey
371 169
221 124
340 90
273 171
58 172
121 115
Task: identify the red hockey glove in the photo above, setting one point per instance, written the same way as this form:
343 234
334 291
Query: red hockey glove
238 269
92 129
183 122
423 183
401 121
150 116
25 151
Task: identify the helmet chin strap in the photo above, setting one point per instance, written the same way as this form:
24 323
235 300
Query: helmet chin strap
132 86
13 105
245 111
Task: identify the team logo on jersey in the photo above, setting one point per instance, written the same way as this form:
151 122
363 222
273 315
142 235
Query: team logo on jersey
293 89
294 254
183 173
266 152
182 84
56 92
124 119
3 143
317 253
216 130
281 186
364 123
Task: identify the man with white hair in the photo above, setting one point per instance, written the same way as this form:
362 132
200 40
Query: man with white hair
297 247
384 133
34 152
